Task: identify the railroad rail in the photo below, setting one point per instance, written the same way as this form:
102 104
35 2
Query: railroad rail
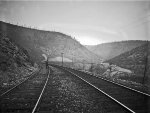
38 101
12 88
144 93
33 95
132 100
24 97
101 100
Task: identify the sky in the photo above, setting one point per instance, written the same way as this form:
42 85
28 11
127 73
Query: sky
90 22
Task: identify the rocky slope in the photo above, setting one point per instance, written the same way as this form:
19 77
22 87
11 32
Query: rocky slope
38 42
133 65
137 60
113 49
15 62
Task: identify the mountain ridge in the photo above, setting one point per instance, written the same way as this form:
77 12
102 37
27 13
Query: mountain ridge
51 43
113 49
137 60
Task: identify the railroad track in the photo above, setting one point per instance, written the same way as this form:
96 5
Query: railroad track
34 95
132 100
24 98
67 101
7 90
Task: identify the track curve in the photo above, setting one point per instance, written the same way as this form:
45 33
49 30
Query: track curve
23 98
135 101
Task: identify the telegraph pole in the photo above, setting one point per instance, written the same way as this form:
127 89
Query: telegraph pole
62 58
47 63
47 60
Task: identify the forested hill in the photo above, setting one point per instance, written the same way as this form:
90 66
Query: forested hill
113 49
135 60
38 42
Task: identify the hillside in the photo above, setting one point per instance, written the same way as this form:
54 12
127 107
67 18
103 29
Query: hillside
15 62
135 60
113 49
38 42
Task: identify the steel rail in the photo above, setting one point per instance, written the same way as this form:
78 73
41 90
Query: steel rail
117 83
124 106
20 83
36 105
86 72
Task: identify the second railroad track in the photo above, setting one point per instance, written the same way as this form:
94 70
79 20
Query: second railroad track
131 100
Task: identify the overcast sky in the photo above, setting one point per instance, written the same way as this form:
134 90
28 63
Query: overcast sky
89 22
